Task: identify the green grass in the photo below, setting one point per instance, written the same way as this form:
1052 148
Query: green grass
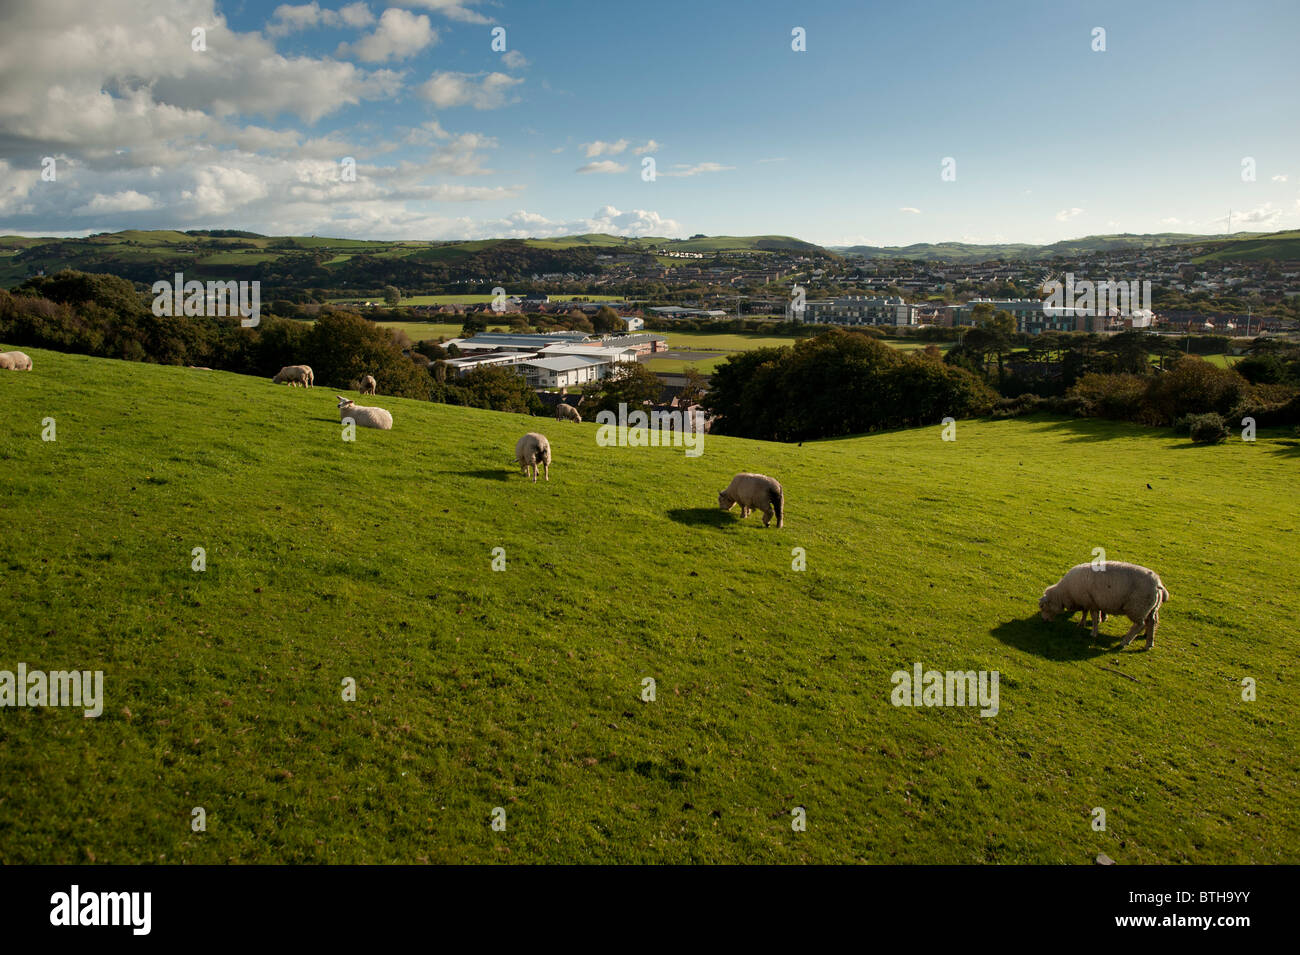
521 688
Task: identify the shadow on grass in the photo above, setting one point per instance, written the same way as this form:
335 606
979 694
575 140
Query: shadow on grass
1289 448
486 474
1095 429
1058 640
701 516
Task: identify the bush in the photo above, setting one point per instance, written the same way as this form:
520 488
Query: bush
1118 397
1208 429
1194 386
1267 414
1015 407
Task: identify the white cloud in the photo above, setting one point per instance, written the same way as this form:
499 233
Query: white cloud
1266 214
602 166
447 89
127 200
1279 178
1171 221
400 34
451 9
682 169
649 147
289 18
1067 214
910 209
514 60
599 148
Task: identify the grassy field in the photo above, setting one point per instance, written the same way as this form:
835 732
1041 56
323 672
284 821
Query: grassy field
522 688
728 344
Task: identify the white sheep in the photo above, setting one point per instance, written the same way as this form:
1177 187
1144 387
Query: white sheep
755 492
532 450
366 385
15 361
363 416
1111 587
565 412
300 375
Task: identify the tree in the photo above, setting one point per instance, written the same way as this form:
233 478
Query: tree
694 389
392 295
342 346
606 320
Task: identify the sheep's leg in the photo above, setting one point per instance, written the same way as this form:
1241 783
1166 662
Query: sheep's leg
1153 621
547 469
1096 622
1132 632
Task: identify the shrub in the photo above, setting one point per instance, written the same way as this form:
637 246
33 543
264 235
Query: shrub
1118 397
1208 429
1194 386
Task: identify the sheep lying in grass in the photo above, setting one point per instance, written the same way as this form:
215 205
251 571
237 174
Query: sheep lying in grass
1119 588
300 375
363 416
755 492
565 412
532 450
366 385
15 361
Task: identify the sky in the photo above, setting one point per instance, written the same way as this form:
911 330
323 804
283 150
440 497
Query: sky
921 121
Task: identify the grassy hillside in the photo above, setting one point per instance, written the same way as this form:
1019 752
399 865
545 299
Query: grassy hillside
1279 246
521 688
145 256
1070 248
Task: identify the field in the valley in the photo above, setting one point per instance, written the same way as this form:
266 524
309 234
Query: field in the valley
522 688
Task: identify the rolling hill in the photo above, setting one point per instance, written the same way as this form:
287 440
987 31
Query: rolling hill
1245 245
318 261
522 688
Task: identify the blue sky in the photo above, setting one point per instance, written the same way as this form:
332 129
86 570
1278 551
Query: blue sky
841 143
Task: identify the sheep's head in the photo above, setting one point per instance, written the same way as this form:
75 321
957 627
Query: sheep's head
343 402
724 501
1049 606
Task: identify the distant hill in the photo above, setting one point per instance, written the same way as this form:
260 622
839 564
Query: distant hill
1260 245
320 261
1277 246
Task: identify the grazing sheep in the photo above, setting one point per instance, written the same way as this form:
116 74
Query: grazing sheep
366 385
1121 588
565 412
530 451
755 492
15 361
363 416
300 375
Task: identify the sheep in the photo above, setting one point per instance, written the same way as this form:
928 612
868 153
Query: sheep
565 412
15 361
530 451
1113 587
300 375
755 492
366 385
365 417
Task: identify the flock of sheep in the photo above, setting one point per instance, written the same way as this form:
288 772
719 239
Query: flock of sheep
1098 590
